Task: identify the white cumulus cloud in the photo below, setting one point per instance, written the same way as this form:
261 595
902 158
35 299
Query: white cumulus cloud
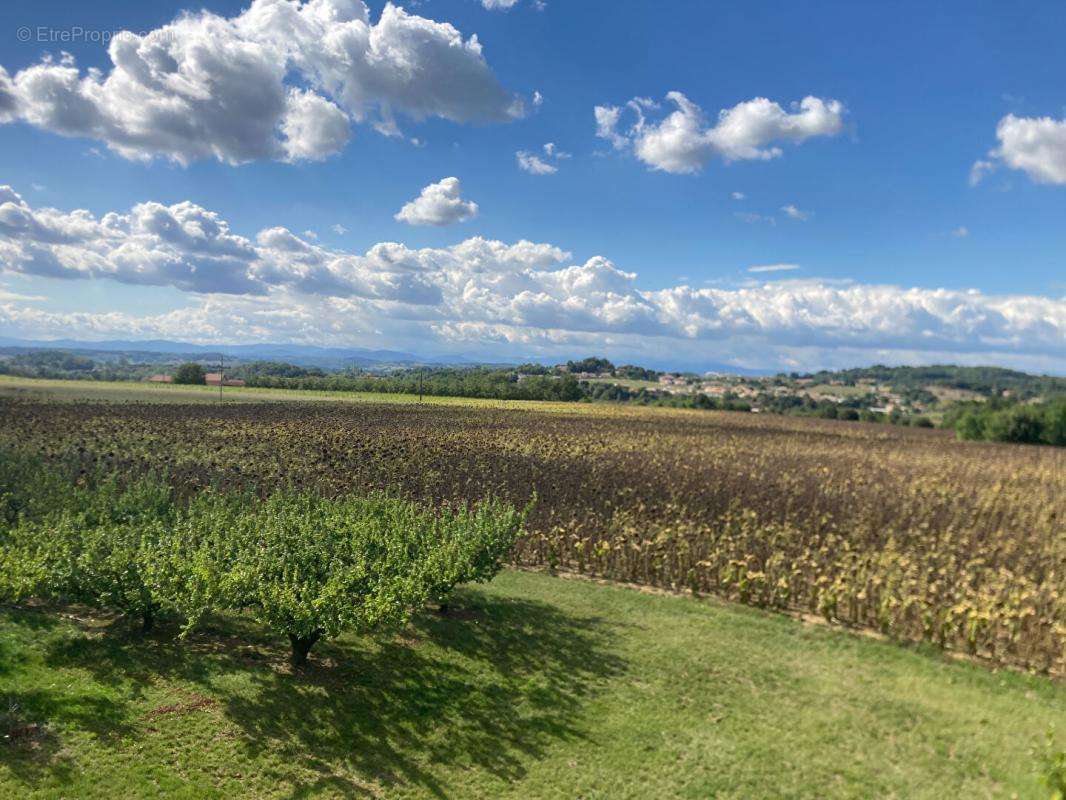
439 203
282 80
683 142
494 297
1034 145
313 127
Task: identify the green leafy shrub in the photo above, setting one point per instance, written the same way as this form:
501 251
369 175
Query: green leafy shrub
306 566
28 488
468 545
100 549
29 491
198 551
310 568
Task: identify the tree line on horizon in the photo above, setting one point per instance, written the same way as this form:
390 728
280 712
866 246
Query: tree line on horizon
1016 406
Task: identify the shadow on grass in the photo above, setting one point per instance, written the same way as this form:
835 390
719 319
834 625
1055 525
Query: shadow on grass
30 745
488 690
32 617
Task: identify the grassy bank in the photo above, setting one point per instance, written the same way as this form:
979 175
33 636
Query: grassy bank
539 687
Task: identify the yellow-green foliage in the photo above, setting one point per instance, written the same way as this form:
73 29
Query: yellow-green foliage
902 530
468 545
304 565
311 567
92 544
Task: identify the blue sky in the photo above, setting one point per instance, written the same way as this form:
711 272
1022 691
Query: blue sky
895 254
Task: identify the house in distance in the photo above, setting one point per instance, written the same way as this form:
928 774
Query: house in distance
216 378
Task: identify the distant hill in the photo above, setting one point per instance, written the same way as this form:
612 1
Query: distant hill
983 380
303 355
331 358
988 381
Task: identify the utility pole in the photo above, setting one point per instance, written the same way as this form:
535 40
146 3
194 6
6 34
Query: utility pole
420 387
221 374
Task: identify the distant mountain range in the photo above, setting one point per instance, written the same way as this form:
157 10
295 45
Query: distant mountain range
303 355
329 358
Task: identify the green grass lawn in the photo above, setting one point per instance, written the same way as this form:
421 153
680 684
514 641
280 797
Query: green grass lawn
539 687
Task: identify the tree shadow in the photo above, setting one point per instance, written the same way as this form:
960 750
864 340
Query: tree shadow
31 719
31 616
32 746
118 654
489 692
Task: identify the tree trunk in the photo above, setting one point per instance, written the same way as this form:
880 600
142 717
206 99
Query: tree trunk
301 646
147 619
